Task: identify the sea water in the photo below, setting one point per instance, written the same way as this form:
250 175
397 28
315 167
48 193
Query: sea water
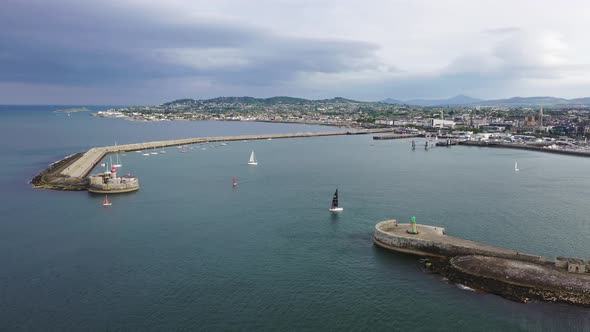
190 251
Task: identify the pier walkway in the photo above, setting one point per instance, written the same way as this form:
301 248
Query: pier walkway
432 241
72 172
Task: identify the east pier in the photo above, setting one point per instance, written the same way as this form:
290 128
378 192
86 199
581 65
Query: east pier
514 275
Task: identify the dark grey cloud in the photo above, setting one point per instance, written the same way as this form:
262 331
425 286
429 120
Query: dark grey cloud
73 43
149 51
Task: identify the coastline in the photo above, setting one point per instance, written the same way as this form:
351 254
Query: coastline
507 284
310 122
537 148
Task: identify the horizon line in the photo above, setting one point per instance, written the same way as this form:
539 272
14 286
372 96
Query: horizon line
310 99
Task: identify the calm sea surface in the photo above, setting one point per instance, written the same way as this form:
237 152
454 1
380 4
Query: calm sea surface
187 252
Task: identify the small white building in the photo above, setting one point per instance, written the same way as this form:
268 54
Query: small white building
481 137
438 123
384 122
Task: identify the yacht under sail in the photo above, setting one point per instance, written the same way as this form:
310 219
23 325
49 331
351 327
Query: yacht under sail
252 160
335 207
118 164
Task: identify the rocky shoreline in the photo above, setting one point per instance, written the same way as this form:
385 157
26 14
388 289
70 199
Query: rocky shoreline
514 275
51 179
506 288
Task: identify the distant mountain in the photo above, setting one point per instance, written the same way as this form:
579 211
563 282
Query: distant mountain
339 100
286 100
527 101
259 101
242 100
581 101
391 101
179 101
457 100
462 100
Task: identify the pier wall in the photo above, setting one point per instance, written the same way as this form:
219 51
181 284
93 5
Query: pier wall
539 148
441 245
83 166
71 175
395 136
513 275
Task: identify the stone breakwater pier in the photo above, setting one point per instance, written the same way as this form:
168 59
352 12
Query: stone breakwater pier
538 148
508 273
71 172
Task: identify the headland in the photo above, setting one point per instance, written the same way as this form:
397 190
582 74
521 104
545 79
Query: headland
511 274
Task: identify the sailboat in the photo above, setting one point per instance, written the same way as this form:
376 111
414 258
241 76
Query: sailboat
516 166
335 207
154 151
252 160
118 164
106 201
234 182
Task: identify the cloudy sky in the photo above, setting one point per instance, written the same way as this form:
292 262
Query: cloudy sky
149 52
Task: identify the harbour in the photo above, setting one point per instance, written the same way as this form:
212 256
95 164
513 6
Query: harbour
198 252
71 172
294 166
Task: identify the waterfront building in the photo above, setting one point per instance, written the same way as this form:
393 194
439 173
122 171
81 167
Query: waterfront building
573 265
109 183
384 122
576 266
438 123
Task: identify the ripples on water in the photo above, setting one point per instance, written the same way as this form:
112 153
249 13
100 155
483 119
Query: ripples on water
188 252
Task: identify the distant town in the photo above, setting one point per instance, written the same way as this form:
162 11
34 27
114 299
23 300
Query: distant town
554 126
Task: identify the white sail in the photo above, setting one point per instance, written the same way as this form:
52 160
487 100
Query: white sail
118 164
252 160
516 166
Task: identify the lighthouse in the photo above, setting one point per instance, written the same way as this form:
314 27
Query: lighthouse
413 229
113 172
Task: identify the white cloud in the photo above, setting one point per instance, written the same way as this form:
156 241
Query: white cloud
367 50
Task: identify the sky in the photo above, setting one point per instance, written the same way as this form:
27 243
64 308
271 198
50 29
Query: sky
143 52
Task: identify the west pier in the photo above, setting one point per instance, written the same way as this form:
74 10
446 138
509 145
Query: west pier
505 272
71 172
